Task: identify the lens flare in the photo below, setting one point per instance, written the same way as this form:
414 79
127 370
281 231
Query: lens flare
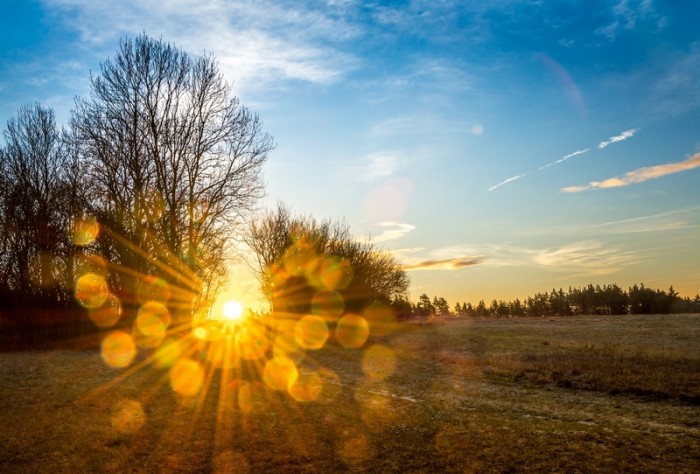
128 416
352 331
169 351
311 332
286 346
108 314
187 377
91 290
336 273
118 349
327 303
307 387
280 373
378 362
85 231
152 288
153 319
252 342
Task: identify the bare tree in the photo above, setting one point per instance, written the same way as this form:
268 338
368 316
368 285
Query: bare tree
34 213
174 162
299 258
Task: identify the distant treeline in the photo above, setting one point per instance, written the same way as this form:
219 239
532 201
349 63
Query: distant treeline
606 299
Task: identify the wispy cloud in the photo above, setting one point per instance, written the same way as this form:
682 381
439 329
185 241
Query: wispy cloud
564 158
627 14
676 90
256 42
560 160
421 124
588 257
639 175
445 264
650 223
509 180
618 138
394 230
377 165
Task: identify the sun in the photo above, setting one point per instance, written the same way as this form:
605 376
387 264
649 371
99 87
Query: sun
233 310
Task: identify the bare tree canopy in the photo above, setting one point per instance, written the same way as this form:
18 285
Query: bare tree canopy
304 265
173 162
35 203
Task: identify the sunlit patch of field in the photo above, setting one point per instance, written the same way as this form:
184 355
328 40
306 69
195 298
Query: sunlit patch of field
606 394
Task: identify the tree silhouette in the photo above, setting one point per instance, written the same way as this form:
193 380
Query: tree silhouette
35 205
301 262
173 163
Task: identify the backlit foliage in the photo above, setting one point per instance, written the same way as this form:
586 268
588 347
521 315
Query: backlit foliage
306 266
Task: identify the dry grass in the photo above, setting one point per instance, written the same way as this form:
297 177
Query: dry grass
572 395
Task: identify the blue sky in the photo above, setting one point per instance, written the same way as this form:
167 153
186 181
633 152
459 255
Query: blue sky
498 148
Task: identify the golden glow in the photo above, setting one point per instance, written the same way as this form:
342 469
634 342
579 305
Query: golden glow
311 332
153 319
280 373
85 231
169 352
108 314
307 387
286 346
91 290
378 362
252 342
352 331
127 416
187 377
118 349
249 362
327 303
233 310
152 289
152 322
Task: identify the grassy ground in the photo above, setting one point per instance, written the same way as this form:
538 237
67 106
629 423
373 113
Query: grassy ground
585 394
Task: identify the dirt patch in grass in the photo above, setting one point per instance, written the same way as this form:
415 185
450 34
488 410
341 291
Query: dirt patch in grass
466 396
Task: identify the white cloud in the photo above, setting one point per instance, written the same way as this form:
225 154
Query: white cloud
377 165
623 136
639 175
509 180
627 14
649 223
393 231
477 129
564 158
618 138
561 160
256 42
589 257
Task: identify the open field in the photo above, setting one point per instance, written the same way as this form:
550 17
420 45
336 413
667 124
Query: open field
584 394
